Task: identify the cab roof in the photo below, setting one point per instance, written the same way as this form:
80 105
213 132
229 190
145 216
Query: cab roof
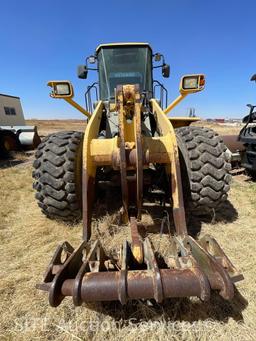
121 45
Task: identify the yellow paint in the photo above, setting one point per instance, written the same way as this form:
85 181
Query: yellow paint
91 132
168 139
101 150
201 78
174 103
78 107
68 98
185 92
137 253
52 84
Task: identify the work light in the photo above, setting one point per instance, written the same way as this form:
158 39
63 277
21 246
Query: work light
62 89
192 83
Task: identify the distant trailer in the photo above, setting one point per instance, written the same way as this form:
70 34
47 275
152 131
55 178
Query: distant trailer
220 120
14 134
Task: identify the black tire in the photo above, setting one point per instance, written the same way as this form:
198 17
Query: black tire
251 174
8 142
57 173
204 167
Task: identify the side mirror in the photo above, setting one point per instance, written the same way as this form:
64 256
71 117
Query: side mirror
82 71
166 70
61 89
192 83
253 77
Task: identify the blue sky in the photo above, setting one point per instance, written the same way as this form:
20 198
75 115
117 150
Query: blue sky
43 40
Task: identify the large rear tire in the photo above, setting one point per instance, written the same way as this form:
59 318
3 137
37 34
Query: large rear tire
57 173
8 143
204 167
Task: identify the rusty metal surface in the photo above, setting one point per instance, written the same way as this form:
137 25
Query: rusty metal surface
122 155
93 255
89 170
174 283
231 141
168 139
139 151
129 115
154 151
88 198
179 216
159 156
193 269
210 245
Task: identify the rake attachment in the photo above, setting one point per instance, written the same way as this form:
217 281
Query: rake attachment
192 268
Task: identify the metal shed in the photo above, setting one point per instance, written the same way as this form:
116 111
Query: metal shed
11 113
14 134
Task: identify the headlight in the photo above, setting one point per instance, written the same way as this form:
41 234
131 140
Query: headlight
62 89
190 82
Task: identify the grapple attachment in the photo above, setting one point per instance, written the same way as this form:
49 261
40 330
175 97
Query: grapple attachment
192 268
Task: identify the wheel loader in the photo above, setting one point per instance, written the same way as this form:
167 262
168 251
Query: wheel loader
130 144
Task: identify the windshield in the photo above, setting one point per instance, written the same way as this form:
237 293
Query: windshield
124 65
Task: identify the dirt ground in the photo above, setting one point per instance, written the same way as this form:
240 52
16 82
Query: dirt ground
46 127
28 240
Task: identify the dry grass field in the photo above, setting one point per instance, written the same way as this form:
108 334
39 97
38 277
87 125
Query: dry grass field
46 127
28 240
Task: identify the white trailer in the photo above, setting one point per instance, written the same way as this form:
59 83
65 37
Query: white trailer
14 134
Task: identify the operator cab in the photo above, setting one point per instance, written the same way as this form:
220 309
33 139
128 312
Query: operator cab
124 63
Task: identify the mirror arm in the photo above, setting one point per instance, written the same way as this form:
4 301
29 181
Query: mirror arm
78 107
163 60
174 103
158 66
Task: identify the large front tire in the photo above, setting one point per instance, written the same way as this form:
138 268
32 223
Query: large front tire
57 173
204 166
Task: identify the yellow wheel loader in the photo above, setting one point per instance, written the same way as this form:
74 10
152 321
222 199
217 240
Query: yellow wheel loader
130 144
